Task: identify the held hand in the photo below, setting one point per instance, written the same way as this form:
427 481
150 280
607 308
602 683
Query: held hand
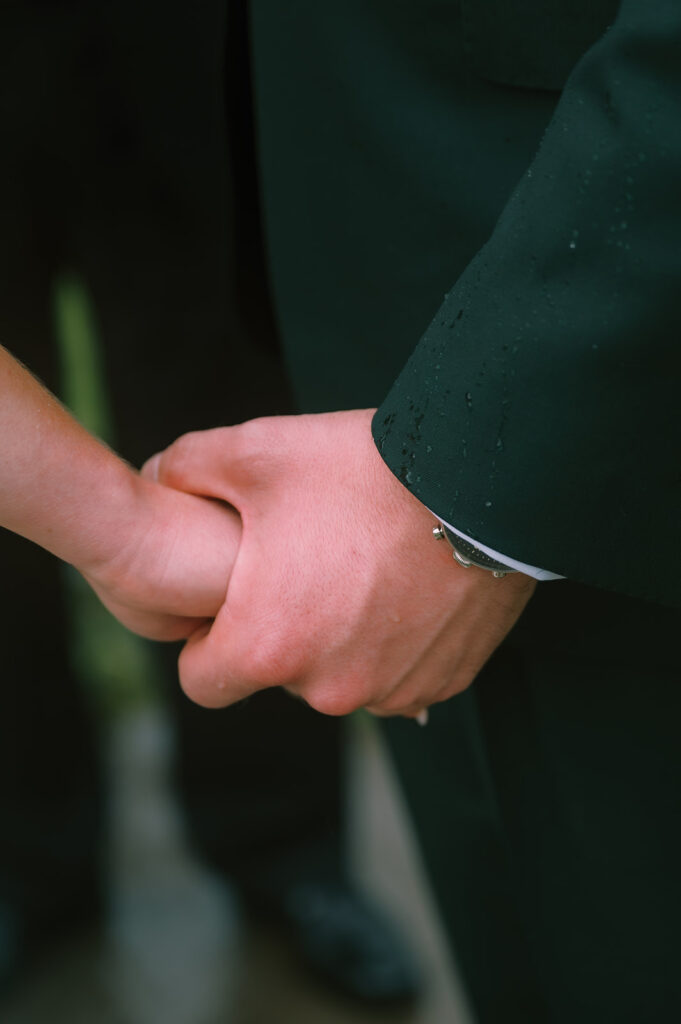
339 591
173 563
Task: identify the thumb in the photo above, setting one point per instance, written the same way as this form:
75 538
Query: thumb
204 668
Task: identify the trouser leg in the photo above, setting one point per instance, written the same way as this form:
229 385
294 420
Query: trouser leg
547 798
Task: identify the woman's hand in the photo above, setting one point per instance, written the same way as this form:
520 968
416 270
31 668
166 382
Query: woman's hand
169 568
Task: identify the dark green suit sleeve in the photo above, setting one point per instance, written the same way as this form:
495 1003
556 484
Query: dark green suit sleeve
540 412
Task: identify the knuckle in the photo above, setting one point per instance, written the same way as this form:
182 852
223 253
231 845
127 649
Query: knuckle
255 435
332 699
176 458
267 662
252 448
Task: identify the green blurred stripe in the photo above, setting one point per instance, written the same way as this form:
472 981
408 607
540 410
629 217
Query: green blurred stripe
118 669
83 381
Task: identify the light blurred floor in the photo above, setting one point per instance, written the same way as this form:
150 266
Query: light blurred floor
176 950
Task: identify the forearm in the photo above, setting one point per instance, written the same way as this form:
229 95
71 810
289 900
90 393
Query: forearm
160 560
59 486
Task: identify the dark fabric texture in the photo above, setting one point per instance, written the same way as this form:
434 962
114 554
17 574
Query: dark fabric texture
547 801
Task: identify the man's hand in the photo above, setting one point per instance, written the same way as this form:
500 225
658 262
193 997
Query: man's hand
339 591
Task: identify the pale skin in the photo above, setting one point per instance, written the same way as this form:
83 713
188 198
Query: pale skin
339 591
160 560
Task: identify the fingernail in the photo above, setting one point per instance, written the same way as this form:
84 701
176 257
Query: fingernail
150 467
422 717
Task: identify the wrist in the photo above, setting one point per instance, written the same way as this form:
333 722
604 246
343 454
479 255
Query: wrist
116 522
173 552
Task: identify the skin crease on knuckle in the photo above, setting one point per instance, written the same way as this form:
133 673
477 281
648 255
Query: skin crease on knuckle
420 691
264 665
264 649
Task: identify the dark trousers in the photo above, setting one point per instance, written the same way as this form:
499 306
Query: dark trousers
547 802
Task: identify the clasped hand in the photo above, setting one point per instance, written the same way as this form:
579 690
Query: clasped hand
338 591
167 574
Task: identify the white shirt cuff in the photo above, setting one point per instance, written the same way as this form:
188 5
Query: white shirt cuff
513 563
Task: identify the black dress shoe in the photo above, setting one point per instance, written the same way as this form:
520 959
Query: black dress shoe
345 941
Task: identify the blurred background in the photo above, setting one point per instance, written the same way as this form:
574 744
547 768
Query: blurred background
160 863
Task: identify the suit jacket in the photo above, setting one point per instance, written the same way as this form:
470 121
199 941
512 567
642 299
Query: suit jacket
561 338
401 156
